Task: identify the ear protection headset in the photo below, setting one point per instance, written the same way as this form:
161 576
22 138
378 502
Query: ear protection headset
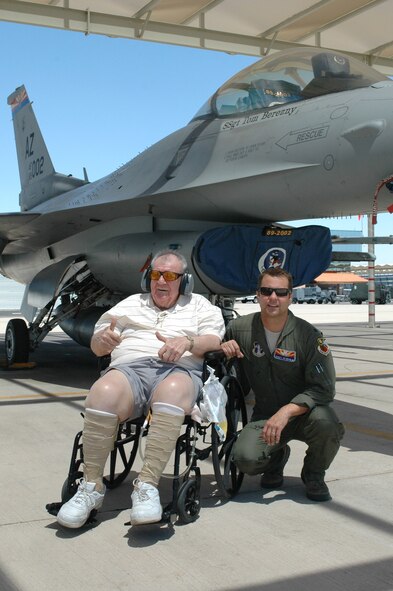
186 282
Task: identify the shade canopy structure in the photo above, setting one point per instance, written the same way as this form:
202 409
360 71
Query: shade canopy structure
361 28
339 277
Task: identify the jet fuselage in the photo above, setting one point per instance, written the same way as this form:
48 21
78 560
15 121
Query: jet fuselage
300 134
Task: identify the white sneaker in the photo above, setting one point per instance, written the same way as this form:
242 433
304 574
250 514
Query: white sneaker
76 511
146 506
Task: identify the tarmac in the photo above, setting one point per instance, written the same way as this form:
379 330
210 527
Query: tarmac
259 541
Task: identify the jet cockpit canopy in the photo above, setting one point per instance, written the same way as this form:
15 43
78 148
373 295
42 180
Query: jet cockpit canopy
288 76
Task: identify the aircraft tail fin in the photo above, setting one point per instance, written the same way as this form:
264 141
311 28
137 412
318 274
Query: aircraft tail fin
39 180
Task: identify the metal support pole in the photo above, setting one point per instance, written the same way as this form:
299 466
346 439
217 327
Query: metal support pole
371 275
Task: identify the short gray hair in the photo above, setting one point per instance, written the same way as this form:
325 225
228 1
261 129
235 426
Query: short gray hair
169 252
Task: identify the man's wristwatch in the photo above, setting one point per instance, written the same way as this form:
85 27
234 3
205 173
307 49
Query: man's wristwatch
191 341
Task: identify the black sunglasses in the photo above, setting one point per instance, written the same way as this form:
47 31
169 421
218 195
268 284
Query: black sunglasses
281 292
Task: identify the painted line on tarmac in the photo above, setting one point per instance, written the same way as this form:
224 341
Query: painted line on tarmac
359 374
350 426
367 431
81 394
46 396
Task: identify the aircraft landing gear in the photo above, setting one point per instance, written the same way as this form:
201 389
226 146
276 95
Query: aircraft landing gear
17 342
76 292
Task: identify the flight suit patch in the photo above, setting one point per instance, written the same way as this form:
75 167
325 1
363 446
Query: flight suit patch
323 347
257 350
284 355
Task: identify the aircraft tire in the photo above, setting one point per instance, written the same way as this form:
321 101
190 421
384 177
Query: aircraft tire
17 343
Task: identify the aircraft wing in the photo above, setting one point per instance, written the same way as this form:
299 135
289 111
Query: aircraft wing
13 225
204 202
25 232
22 233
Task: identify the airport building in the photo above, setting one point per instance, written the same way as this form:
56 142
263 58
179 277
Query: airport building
344 271
383 274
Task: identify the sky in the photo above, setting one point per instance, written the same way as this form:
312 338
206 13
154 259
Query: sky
100 101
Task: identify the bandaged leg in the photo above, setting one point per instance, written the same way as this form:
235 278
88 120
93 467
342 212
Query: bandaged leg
164 430
99 435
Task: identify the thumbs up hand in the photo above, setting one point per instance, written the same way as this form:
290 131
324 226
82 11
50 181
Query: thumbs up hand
104 341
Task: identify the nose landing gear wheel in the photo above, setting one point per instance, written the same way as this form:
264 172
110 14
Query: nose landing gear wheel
17 343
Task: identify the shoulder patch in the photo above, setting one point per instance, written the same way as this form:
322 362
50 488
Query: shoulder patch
323 347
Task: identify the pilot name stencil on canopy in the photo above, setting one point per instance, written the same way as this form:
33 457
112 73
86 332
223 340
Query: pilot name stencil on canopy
233 123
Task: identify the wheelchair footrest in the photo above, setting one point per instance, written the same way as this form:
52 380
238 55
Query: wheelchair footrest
169 514
53 508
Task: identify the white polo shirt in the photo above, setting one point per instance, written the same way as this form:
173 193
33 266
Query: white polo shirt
138 319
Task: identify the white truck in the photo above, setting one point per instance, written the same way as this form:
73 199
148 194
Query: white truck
307 294
313 294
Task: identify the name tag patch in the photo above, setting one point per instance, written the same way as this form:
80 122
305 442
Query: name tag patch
284 355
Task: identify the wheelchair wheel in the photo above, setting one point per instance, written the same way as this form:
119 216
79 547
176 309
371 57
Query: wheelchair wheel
228 476
123 455
188 504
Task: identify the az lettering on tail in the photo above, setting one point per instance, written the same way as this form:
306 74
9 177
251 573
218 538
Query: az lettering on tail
29 146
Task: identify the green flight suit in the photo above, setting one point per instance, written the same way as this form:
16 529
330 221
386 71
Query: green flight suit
300 370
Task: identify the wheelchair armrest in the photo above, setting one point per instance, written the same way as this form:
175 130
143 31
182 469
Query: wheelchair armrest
214 356
215 360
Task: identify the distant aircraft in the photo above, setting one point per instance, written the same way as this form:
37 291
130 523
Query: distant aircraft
304 133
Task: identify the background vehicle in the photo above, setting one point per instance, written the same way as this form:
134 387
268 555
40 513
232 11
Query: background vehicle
248 298
329 296
311 294
359 294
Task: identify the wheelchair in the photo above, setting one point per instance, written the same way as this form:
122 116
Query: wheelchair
196 443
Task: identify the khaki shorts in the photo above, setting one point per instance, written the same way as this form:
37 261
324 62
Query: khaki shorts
145 374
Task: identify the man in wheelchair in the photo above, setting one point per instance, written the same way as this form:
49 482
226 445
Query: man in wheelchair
157 341
291 372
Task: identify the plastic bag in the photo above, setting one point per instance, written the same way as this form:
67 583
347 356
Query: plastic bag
214 400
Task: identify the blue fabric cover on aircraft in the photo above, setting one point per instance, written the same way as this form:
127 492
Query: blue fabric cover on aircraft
234 256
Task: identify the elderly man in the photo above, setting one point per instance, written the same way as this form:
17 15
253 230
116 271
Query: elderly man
157 341
290 369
